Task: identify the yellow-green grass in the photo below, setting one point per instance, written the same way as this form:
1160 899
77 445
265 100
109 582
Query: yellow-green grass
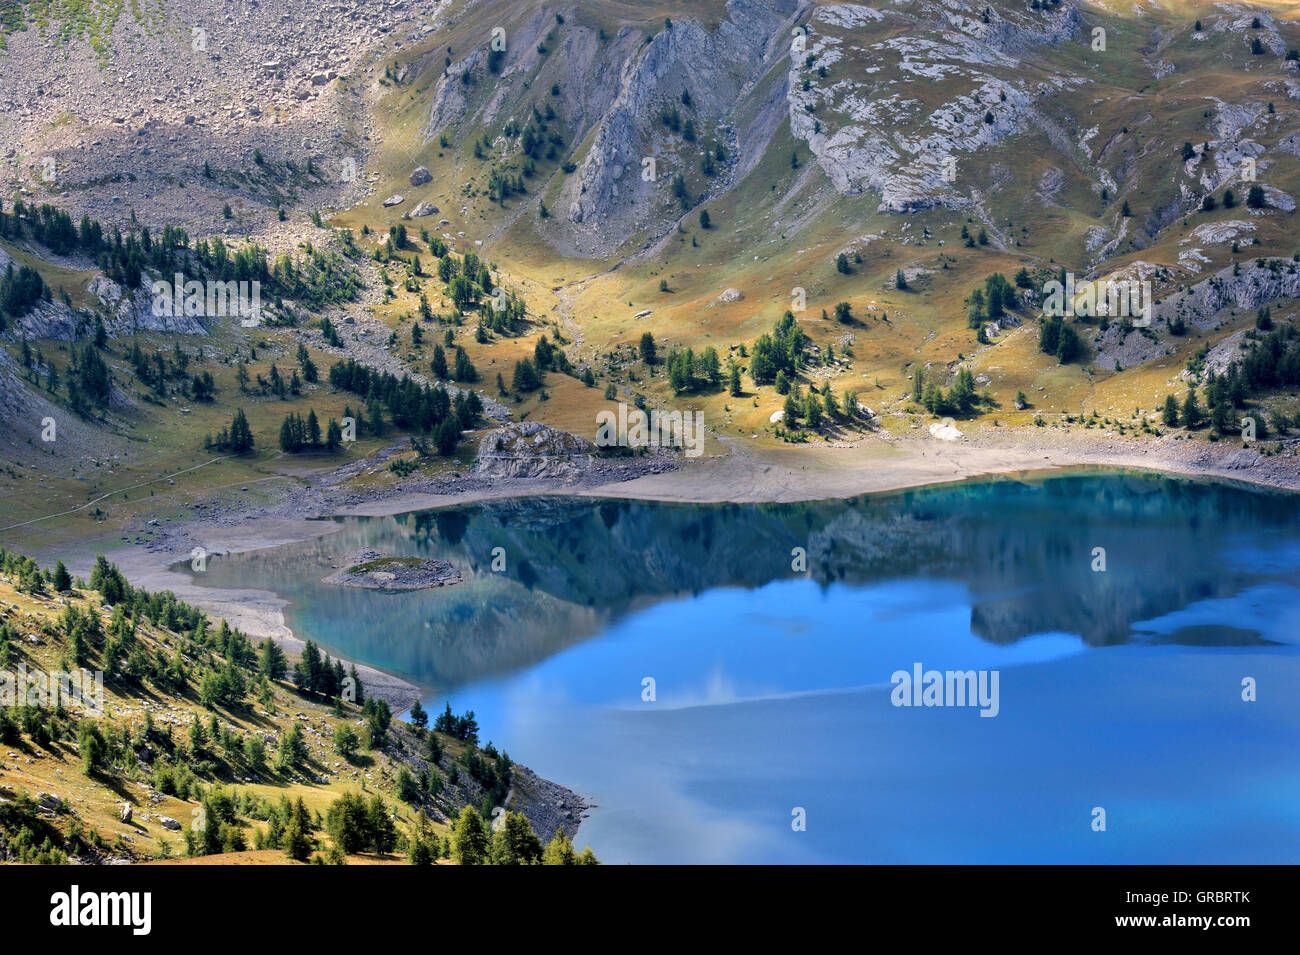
166 467
96 800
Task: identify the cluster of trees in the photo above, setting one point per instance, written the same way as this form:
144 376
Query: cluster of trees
527 377
353 823
1271 361
467 280
223 681
548 357
156 370
30 579
161 609
225 655
959 400
89 382
687 372
501 185
781 351
317 279
412 406
357 825
513 843
462 369
463 727
710 157
993 301
27 836
1219 413
291 828
237 439
273 384
221 663
297 434
330 333
19 292
538 140
1058 337
507 313
120 258
811 409
316 674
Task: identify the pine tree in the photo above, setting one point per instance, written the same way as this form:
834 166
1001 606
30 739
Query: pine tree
297 838
470 843
419 716
241 435
383 833
270 660
1170 415
358 690
1191 411
559 851
813 410
374 418
423 843
515 843
463 367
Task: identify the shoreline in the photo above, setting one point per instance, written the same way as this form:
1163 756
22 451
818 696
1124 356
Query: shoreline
874 465
877 465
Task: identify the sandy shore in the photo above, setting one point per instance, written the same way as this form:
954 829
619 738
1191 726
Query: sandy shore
741 474
800 473
258 613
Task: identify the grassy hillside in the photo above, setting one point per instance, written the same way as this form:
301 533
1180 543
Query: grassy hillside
215 754
1088 178
817 175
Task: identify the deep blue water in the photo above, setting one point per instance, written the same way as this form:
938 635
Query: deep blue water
1118 688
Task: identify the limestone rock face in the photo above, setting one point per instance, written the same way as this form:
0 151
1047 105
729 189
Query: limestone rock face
878 128
530 449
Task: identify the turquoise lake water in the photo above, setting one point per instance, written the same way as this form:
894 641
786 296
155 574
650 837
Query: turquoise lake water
1119 689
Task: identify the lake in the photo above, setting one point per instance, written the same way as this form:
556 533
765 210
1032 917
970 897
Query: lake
720 679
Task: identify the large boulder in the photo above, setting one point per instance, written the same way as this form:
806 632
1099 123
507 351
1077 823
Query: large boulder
530 449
